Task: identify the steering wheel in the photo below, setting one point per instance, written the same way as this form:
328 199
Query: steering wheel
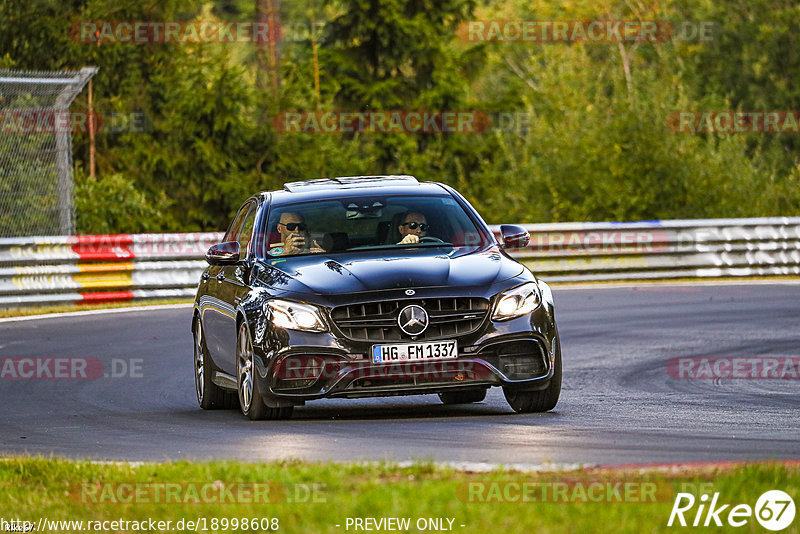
430 239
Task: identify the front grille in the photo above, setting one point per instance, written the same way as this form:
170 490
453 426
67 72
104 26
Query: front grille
377 321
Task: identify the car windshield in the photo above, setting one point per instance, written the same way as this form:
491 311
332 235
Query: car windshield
351 224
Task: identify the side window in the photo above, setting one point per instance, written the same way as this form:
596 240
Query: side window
247 228
236 226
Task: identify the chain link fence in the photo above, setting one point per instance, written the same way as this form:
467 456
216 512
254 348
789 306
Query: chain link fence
36 151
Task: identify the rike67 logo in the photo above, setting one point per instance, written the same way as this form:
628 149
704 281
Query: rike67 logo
774 510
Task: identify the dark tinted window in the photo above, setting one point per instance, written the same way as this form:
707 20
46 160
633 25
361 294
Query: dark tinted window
238 221
246 232
341 225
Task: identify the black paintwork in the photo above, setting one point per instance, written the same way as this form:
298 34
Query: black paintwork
230 293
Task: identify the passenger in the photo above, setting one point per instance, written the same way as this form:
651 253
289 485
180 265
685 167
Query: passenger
414 226
294 234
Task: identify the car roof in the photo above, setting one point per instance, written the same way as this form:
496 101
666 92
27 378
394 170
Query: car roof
351 186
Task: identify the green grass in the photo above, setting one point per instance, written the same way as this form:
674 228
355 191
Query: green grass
315 497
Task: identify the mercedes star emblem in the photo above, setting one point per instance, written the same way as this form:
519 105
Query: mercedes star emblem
413 320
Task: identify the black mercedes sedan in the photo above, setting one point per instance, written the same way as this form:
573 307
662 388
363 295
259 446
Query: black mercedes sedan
370 286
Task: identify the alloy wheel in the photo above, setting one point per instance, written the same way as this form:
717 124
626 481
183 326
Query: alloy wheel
244 358
199 361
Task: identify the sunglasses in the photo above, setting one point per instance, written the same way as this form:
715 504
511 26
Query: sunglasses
294 226
414 225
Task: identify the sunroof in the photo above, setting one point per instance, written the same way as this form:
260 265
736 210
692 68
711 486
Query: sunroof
345 181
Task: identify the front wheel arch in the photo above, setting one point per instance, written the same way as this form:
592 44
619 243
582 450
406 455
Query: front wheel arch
258 408
542 400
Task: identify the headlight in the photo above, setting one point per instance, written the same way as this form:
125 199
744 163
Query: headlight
517 302
295 316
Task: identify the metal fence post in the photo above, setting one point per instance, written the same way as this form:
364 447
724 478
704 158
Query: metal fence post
37 176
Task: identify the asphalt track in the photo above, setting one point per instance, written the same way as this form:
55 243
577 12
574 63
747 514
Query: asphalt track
618 406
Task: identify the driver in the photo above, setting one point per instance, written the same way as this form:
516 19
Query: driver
414 226
294 234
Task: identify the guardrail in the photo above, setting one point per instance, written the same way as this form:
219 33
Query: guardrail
98 268
47 270
703 248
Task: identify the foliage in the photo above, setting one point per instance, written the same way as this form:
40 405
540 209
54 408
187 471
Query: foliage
594 143
106 204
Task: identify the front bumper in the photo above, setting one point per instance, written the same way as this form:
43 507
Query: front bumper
296 366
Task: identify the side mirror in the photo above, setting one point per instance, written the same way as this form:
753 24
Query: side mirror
514 236
223 254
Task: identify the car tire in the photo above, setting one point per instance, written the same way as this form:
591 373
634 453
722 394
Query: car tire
463 397
209 395
248 388
543 400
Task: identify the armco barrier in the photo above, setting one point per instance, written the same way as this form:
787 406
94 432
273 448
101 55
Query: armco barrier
704 248
46 270
42 270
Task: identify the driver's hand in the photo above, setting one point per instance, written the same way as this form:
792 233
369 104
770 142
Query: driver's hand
295 244
409 238
316 249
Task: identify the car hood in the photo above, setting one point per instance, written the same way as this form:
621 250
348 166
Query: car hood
331 274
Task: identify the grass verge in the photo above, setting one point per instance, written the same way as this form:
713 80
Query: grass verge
313 498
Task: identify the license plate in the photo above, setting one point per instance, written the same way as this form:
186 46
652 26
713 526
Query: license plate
413 352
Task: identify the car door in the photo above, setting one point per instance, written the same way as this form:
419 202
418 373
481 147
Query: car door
233 285
217 307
